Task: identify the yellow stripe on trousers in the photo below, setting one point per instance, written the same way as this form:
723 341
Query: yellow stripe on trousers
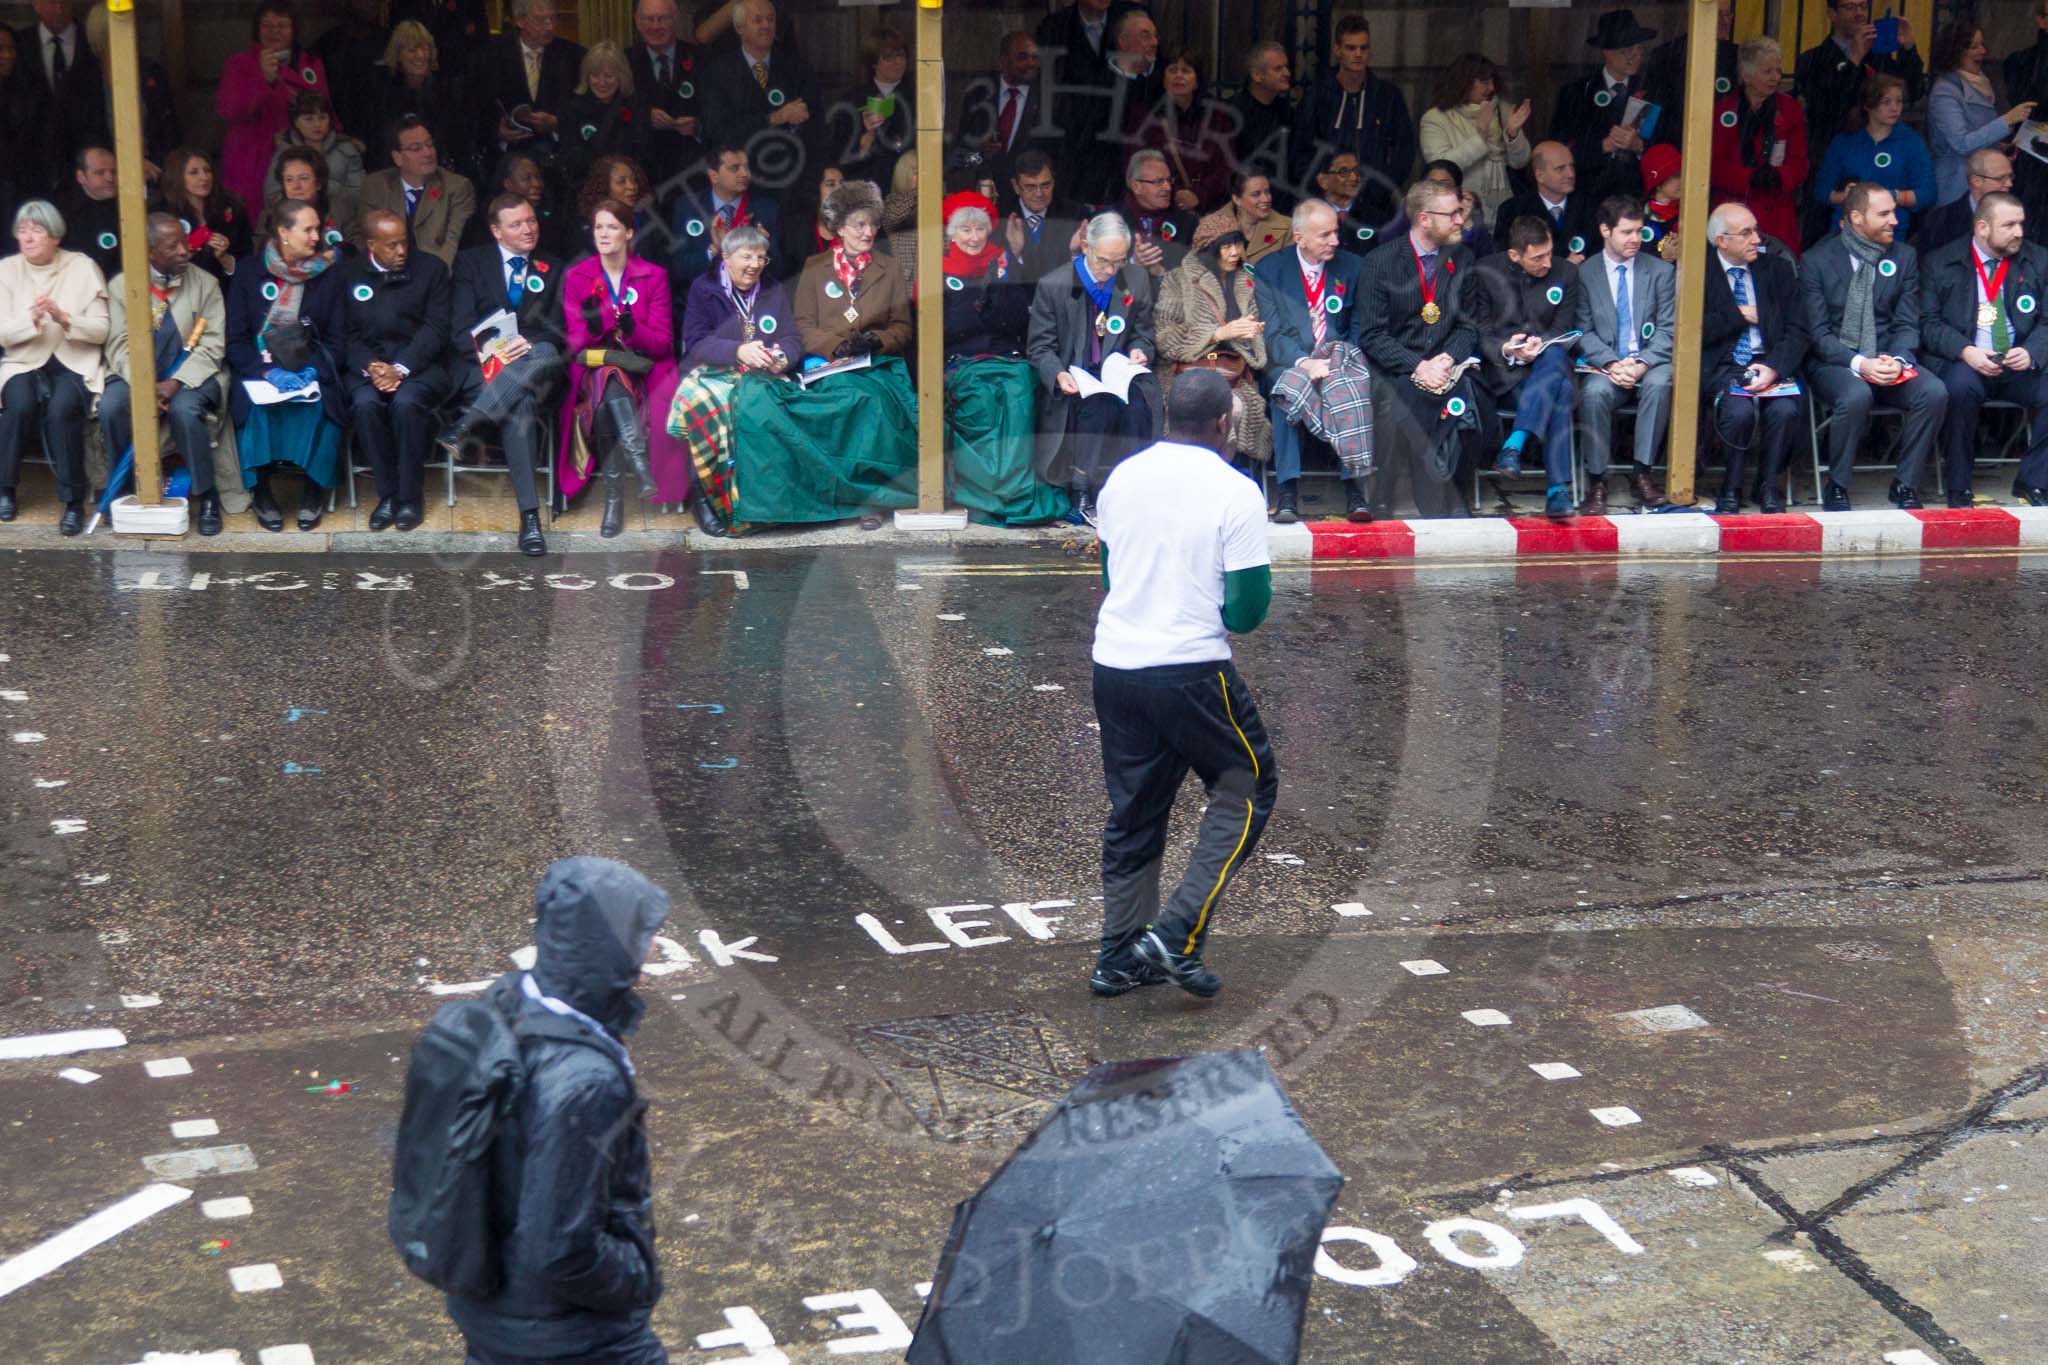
1249 799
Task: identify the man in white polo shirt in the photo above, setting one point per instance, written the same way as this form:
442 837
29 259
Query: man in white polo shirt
1184 562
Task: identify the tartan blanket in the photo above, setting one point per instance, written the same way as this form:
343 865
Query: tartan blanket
701 418
1338 409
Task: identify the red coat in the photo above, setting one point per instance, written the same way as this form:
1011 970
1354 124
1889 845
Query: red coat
1777 213
654 336
256 111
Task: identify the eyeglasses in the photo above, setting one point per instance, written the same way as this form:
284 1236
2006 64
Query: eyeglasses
1344 173
1443 213
2005 179
426 146
1157 180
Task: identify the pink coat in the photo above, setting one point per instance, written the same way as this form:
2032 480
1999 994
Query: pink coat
256 111
654 336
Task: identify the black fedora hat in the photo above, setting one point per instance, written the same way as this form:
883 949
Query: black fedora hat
1618 29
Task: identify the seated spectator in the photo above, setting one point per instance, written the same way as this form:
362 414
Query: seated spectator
1557 200
1099 306
873 140
53 324
1879 150
1473 128
665 74
1989 170
216 223
285 329
395 326
1476 238
1043 234
1755 337
804 233
1961 115
1862 297
1628 312
899 218
517 83
435 204
1250 215
1980 314
1760 157
700 220
1525 296
1208 319
302 178
520 173
1161 232
312 126
91 207
622 373
736 322
512 390
761 93
257 87
605 117
847 445
413 85
1191 130
1339 178
1308 299
991 392
623 179
1415 323
1663 191
189 340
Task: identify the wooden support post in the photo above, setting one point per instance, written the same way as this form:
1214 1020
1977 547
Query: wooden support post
1704 16
126 82
931 232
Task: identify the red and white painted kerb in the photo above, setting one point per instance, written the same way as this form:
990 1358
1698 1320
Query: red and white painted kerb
1876 531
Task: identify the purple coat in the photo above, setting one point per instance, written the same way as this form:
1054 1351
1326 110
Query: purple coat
653 335
713 333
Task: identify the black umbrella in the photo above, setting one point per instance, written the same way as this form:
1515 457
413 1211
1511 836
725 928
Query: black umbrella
1166 1212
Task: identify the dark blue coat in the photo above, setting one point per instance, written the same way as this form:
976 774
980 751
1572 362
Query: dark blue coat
247 308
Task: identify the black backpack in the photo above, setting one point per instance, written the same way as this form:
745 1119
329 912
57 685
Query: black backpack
463 1082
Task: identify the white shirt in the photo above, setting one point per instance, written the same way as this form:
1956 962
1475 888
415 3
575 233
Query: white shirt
1173 520
1311 271
1003 96
1986 267
1553 209
505 255
68 40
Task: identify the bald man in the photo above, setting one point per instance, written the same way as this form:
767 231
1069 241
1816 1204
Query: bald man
1557 201
395 309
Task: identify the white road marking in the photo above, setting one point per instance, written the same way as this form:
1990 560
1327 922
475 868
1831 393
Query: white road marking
1486 1018
29 737
68 1245
1047 687
238 1206
136 1002
67 826
1425 966
161 1067
1792 1260
1698 1177
1555 1071
996 651
1616 1116
79 1075
739 578
294 1354
92 878
1351 909
951 616
60 1044
1909 1357
1662 1019
195 1162
195 1128
910 587
12 694
254 1279
51 784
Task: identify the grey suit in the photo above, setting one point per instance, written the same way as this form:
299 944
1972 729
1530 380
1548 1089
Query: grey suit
1081 439
1653 296
1846 398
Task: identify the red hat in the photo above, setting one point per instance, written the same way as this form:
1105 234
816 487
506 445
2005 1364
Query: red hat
965 199
1660 162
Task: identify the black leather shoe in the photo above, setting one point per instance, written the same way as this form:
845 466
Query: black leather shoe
209 522
1771 504
312 506
1904 498
1184 970
707 520
1961 497
531 541
1834 498
1728 504
381 515
1289 509
1356 505
6 504
73 520
2037 497
407 516
265 508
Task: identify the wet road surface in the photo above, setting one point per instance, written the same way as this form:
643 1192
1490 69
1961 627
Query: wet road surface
259 811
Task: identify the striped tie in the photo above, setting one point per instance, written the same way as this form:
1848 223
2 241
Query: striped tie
761 74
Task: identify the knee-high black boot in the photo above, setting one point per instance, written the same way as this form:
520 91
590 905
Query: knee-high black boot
614 519
629 438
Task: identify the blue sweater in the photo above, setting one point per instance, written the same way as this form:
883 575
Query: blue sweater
1907 165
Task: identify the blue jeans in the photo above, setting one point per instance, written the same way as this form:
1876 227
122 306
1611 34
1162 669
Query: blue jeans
1543 408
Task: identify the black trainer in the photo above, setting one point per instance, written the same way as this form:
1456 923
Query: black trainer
1183 970
1110 980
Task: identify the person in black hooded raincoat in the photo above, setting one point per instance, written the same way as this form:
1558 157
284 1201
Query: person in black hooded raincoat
575 1225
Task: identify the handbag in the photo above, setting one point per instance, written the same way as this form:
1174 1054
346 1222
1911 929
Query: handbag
1229 364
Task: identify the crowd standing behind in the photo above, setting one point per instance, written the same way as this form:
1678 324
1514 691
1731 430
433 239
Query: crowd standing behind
675 261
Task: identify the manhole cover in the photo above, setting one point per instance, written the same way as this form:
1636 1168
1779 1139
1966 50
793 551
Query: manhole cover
974 1077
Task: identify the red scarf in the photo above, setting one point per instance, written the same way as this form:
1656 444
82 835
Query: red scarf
1664 213
963 266
846 272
